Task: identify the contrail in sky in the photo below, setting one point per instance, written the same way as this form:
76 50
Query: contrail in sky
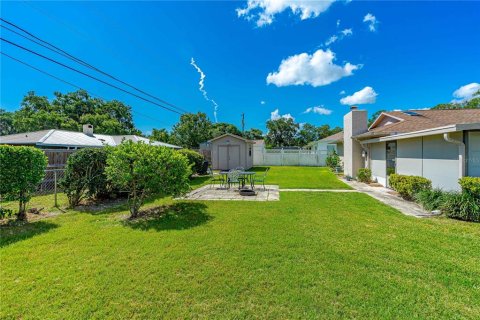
201 85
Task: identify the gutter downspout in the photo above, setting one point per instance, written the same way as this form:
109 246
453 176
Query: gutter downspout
461 153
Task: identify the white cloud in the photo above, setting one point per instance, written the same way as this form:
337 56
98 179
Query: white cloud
275 115
466 92
342 92
372 21
347 32
331 40
317 69
264 11
338 23
365 96
339 36
201 85
262 102
318 110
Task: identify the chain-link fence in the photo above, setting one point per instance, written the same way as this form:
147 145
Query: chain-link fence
51 184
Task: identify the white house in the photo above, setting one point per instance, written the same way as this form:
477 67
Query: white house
441 145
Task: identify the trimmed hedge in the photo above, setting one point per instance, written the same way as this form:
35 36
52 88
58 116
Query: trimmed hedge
364 175
470 185
194 158
462 206
408 186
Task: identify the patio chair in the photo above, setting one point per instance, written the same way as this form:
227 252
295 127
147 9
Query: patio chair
215 179
261 179
240 168
234 177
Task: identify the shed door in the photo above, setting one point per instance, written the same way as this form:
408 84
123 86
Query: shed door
223 157
233 156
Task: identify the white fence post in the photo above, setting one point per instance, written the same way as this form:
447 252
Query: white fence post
283 157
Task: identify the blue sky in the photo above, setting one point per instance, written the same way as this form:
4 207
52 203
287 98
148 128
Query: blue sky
404 55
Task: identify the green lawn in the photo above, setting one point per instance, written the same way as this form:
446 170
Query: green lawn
310 255
302 177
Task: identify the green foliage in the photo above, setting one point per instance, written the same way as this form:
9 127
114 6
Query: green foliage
21 170
408 186
85 175
473 103
191 130
161 135
462 206
364 175
253 134
470 185
144 170
281 133
333 160
430 199
6 122
69 112
221 128
194 158
5 213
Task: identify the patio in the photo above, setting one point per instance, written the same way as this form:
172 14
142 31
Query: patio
215 192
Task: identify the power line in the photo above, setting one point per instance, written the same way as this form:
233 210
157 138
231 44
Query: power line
64 53
71 84
89 76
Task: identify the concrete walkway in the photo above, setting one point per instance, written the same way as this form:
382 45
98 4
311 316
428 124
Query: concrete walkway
385 195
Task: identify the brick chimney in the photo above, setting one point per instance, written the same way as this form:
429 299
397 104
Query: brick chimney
88 130
354 123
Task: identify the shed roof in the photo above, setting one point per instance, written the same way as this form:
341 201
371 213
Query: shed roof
233 136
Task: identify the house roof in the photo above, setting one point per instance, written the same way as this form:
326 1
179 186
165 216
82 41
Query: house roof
63 138
423 120
231 135
337 137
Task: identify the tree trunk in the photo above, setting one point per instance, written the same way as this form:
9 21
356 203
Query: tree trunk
22 215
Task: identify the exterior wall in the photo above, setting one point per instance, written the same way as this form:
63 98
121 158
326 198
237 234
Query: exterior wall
354 123
246 158
430 157
340 151
378 163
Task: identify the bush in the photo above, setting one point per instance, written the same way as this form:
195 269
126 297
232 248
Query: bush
85 175
364 175
462 206
408 186
144 170
194 158
21 170
470 185
333 160
430 199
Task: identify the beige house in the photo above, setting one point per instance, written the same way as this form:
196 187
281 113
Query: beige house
441 145
229 151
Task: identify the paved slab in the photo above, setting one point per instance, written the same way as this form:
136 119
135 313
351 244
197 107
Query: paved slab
215 192
385 195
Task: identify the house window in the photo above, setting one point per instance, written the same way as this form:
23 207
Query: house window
473 153
249 151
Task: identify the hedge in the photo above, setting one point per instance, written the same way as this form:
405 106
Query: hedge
470 185
408 186
364 175
194 158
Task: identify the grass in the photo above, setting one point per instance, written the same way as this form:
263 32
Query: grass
302 177
310 255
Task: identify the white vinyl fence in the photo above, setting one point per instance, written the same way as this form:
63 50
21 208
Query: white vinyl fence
288 157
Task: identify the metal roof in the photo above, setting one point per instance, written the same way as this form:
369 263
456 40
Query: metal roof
62 138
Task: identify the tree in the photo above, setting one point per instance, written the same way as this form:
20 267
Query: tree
374 117
307 133
221 128
85 175
191 130
473 103
161 135
21 170
281 133
253 134
70 111
6 122
145 170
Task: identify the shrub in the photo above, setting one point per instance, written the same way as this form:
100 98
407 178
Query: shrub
364 175
333 160
21 170
470 185
430 199
144 170
194 158
408 186
85 175
462 206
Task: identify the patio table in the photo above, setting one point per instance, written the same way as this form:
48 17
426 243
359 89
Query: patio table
247 175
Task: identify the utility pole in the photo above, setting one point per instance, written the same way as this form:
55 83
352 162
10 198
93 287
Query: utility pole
243 123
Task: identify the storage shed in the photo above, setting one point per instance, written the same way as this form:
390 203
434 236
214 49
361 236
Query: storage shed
230 151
